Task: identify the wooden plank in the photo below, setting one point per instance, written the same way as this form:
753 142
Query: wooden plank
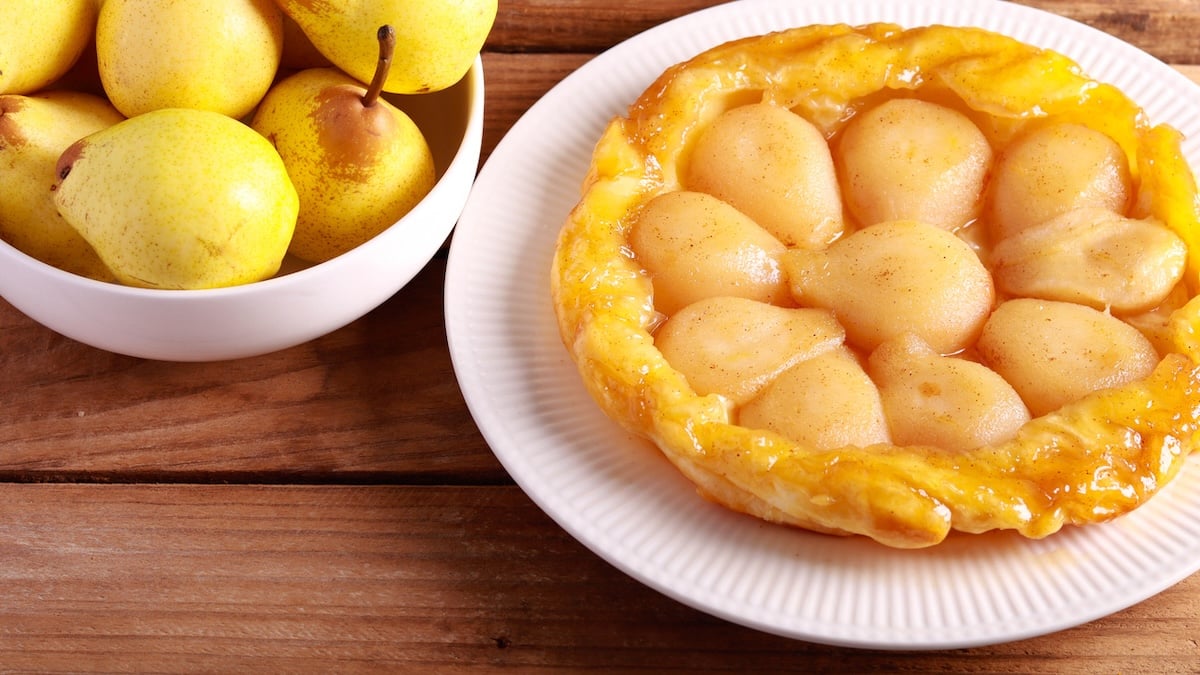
514 82
1168 30
376 400
252 578
580 25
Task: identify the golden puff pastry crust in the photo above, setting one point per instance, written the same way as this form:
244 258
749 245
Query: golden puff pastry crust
1088 461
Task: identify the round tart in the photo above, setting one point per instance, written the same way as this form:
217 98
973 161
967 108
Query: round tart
1048 375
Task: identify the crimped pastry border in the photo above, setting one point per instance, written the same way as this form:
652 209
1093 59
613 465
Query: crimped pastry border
1119 446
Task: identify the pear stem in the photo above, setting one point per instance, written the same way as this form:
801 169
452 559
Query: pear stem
387 47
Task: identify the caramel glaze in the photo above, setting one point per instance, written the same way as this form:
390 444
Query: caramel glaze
1090 461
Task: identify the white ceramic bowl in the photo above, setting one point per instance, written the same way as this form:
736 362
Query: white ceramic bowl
299 304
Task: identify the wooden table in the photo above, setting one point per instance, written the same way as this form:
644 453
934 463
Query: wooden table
333 506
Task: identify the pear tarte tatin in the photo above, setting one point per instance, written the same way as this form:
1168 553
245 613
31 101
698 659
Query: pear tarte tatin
830 272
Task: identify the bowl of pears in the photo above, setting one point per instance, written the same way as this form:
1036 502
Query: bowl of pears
261 176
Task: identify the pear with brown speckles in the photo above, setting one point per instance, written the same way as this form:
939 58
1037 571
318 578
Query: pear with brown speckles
40 41
34 131
179 198
358 162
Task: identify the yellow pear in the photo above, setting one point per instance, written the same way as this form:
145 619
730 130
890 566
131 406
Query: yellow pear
437 40
218 55
358 162
40 40
179 198
34 131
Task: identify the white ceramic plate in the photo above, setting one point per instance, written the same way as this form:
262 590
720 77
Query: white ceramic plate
619 497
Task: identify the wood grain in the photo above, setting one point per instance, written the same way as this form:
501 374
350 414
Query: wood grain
374 401
579 26
1168 30
517 81
333 507
438 579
